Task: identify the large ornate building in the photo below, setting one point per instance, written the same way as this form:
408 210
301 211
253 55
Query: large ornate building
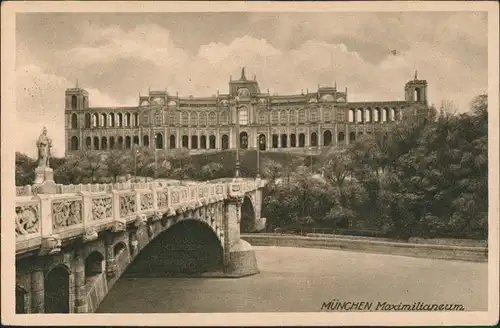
306 121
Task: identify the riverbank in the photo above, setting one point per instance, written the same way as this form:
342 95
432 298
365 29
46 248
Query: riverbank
373 245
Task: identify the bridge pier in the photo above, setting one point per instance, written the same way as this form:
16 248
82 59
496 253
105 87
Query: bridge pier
37 292
241 260
80 297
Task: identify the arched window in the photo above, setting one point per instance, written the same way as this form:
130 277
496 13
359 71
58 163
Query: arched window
158 118
293 116
351 115
340 114
284 117
128 142
302 140
352 137
262 142
314 139
159 141
145 140
194 142
385 114
111 120
376 115
203 119
314 114
104 143
327 138
293 140
194 118
203 142
224 118
274 117
74 143
119 121
302 116
74 121
393 114
127 119
120 142
275 141
104 119
88 143
225 142
284 141
211 141
136 119
111 142
74 102
95 120
212 119
359 115
136 140
327 114
243 140
262 117
368 115
184 118
171 118
96 143
243 116
172 142
87 121
417 95
185 141
341 137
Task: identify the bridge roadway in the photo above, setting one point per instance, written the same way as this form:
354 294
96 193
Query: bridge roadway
301 279
74 242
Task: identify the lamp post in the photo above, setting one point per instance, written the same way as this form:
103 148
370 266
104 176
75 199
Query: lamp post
135 151
237 169
156 155
258 156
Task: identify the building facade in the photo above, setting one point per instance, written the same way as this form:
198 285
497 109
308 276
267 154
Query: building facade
254 119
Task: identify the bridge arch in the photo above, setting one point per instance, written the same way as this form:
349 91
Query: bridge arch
189 246
93 266
21 300
248 217
57 292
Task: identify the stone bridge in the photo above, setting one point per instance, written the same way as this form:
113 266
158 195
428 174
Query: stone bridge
72 245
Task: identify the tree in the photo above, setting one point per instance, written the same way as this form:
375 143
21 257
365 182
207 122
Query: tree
70 171
92 164
25 169
116 163
272 170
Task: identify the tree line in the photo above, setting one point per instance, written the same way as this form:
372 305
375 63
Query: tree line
424 177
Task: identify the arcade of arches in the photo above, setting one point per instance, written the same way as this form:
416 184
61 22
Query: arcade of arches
292 140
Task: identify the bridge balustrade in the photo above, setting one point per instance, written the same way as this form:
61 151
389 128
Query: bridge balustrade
45 220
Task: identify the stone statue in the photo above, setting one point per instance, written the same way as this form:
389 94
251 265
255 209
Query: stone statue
44 144
44 175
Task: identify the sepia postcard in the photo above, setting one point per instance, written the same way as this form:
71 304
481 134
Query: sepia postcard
250 163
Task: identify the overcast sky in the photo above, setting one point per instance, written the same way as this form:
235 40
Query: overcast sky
117 56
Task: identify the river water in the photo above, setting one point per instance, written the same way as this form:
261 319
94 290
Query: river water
301 279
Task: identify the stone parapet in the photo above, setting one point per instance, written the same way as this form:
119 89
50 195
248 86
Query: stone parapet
44 220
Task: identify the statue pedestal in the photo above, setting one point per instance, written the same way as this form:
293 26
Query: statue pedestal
44 181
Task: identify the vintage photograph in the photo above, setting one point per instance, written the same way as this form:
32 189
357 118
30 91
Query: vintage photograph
252 161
